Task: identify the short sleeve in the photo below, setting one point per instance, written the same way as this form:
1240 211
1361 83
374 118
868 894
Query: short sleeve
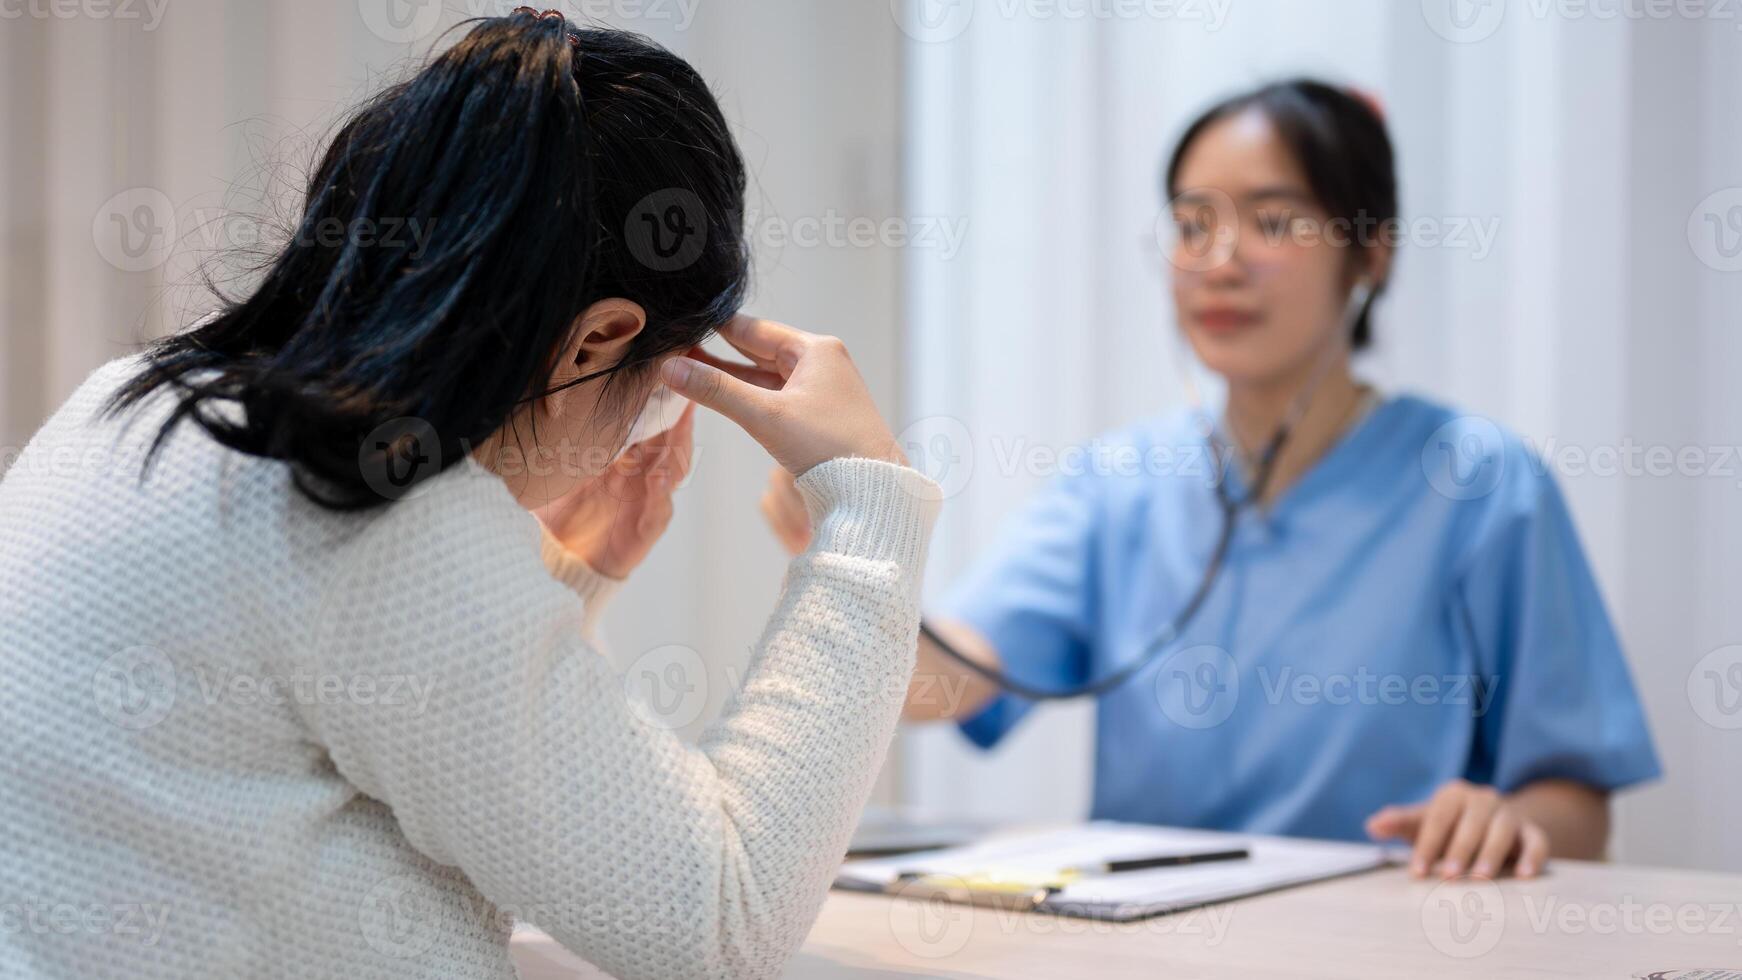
1033 598
1561 703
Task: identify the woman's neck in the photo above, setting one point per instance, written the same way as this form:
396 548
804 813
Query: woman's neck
1257 410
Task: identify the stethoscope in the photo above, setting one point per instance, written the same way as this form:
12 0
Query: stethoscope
1230 506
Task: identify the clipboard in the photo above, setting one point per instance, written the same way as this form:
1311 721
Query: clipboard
1009 872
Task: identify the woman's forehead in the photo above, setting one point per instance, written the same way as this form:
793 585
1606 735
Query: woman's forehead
1244 157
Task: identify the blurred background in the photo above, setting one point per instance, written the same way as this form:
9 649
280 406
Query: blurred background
968 192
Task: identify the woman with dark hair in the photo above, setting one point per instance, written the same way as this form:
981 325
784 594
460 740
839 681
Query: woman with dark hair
1398 634
292 670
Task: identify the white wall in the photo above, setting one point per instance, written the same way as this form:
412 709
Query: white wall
1588 143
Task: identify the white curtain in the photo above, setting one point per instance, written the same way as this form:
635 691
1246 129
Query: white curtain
1572 275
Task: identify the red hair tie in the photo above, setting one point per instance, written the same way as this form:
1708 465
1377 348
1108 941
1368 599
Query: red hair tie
557 15
1369 100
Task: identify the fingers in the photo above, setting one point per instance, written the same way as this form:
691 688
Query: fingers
1497 844
1479 804
1396 822
740 401
1437 825
760 377
768 343
1532 850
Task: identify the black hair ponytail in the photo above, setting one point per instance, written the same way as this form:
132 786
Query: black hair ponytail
457 225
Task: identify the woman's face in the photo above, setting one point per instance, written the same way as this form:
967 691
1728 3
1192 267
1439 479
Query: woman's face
1258 290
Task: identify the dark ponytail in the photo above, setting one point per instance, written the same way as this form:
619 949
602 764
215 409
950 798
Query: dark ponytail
531 169
1340 141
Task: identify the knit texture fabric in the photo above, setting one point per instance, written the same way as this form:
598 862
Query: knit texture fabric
245 736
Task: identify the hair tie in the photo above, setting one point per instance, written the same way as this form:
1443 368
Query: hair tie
552 14
1369 100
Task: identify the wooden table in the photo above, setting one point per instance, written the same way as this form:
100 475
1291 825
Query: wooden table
1581 920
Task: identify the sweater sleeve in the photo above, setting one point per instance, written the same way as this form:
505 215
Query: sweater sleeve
570 803
595 588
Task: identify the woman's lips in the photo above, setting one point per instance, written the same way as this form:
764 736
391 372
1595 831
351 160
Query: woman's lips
1226 320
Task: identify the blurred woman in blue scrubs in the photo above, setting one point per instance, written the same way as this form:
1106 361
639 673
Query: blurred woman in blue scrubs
1405 642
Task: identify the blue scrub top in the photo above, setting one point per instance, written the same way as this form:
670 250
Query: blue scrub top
1415 608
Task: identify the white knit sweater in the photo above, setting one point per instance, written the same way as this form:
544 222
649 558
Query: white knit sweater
242 736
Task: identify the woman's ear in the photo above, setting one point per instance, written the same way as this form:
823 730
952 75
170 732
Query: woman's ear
599 338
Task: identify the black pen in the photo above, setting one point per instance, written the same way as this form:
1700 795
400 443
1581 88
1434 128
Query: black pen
1163 861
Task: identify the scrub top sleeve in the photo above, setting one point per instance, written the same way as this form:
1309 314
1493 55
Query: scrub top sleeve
1033 597
1559 699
